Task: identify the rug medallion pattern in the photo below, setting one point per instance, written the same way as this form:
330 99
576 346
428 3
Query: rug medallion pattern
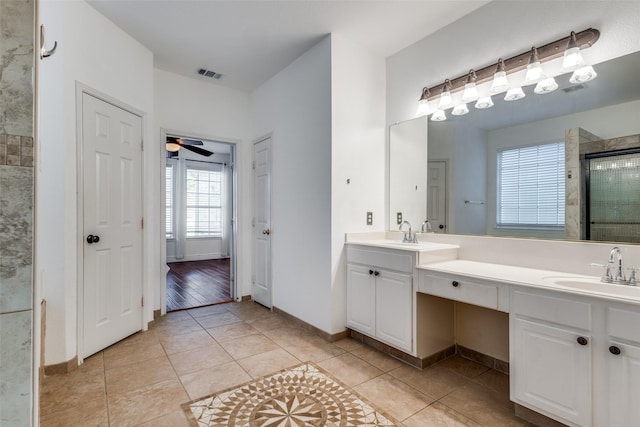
301 396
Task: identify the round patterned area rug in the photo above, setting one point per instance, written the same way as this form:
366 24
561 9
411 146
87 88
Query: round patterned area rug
304 395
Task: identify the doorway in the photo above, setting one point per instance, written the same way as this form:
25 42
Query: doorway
200 210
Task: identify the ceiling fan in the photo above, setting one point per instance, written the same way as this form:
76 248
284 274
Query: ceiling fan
174 144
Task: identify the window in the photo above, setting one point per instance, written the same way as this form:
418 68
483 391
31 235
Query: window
169 201
203 201
531 187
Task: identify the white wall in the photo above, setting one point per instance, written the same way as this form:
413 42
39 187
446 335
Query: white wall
295 106
95 52
199 108
357 153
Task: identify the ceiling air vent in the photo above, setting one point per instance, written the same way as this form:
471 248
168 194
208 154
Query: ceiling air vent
208 73
573 88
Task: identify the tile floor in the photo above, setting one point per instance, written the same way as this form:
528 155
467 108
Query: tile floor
143 380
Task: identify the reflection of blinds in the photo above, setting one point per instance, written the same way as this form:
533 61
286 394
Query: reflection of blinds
531 186
614 198
169 201
204 203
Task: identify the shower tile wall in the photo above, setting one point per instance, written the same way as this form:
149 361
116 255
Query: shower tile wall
16 211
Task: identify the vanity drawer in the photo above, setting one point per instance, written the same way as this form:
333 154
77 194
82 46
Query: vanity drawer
623 324
381 258
550 308
483 295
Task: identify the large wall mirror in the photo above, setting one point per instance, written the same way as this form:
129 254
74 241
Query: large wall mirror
599 116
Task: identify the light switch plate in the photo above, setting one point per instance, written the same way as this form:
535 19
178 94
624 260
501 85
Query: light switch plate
369 218
399 218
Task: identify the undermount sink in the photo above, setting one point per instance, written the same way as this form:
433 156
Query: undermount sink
592 284
418 246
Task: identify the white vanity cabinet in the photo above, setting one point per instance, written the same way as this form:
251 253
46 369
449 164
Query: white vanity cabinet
380 294
623 365
551 359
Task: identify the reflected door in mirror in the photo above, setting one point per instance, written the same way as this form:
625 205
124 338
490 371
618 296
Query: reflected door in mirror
437 195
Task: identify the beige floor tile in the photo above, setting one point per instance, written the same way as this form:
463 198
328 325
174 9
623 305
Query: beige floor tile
267 363
482 405
496 381
179 327
126 354
146 403
350 369
59 392
464 367
172 419
288 335
349 344
268 323
313 348
240 348
91 413
173 316
434 381
378 359
394 397
232 331
439 415
218 319
189 341
249 310
208 381
199 358
208 310
140 374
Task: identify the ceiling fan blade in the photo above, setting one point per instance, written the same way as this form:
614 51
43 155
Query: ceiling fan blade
197 150
183 141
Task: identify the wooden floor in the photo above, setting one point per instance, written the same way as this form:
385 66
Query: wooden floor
198 283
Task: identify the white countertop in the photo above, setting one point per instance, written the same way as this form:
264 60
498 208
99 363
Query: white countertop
543 279
397 244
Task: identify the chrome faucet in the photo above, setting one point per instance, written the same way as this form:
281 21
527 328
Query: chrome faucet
616 257
409 237
426 226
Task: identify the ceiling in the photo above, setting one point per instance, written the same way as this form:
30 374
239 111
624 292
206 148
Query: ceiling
251 41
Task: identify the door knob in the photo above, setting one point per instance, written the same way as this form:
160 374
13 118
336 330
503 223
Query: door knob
92 239
267 231
441 226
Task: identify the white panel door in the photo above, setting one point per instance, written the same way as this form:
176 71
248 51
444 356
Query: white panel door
112 214
437 195
394 309
624 385
261 283
551 370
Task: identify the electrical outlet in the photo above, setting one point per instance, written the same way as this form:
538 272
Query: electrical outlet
369 218
399 218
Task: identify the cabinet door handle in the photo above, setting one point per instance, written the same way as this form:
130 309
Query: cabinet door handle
376 273
370 272
582 341
455 284
615 350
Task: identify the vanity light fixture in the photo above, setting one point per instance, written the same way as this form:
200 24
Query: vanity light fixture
497 74
460 110
470 90
172 147
572 56
423 103
439 116
484 103
514 94
500 82
445 95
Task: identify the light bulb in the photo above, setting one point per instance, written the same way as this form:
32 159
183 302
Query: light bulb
484 102
546 86
470 90
500 82
460 110
582 75
514 94
439 116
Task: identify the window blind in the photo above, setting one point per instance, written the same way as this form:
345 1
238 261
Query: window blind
203 203
169 202
531 190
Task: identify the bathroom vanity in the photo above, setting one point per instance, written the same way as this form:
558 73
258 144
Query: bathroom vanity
574 342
